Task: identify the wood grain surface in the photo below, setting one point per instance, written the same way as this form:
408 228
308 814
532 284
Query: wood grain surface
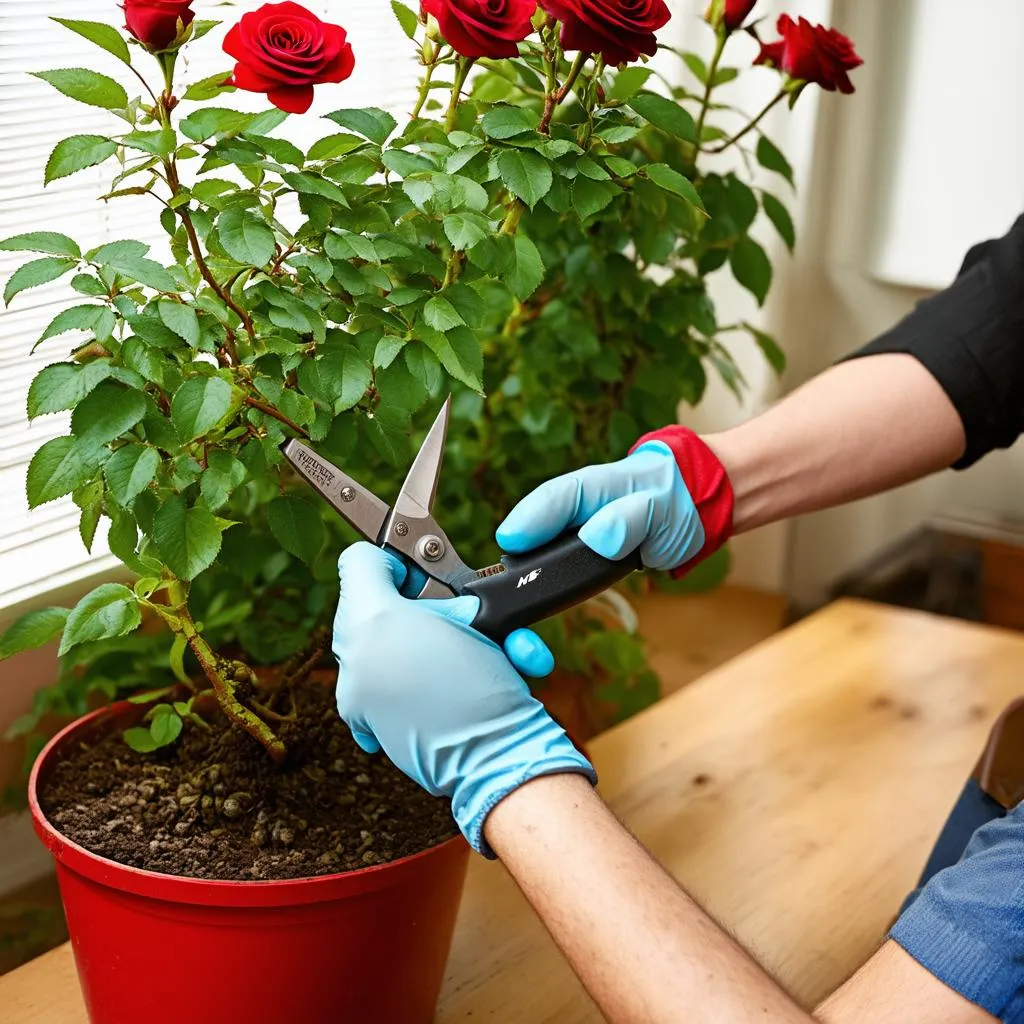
795 791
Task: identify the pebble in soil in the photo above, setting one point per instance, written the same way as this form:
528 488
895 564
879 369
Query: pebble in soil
213 805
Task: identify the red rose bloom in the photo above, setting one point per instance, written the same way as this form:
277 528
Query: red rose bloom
812 53
620 30
483 28
736 12
155 23
284 50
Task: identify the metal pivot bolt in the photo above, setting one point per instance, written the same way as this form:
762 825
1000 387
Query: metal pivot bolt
431 548
348 494
401 529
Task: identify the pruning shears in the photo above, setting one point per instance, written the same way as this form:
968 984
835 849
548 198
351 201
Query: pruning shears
515 592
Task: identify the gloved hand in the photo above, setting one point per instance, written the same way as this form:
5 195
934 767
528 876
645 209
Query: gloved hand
442 701
639 502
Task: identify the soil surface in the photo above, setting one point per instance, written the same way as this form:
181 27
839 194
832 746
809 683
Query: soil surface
213 805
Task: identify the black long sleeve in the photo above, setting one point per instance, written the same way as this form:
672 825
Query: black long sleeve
970 337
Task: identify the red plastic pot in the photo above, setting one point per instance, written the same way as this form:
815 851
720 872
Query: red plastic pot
365 946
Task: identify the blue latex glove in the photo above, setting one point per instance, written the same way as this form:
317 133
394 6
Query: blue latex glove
638 502
442 701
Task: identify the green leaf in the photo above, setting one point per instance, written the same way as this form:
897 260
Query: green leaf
246 237
590 197
159 143
145 271
525 174
779 216
527 270
110 610
665 114
34 629
338 380
205 123
458 352
166 727
104 36
751 267
76 154
314 185
140 739
297 525
770 157
98 319
388 436
210 88
440 314
106 413
51 242
223 474
181 319
506 122
188 539
697 66
334 146
403 163
281 150
56 469
199 405
62 386
424 366
769 347
406 18
374 123
628 83
129 471
87 87
36 273
672 181
464 230
387 349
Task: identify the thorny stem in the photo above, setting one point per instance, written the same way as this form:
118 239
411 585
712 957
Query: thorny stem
263 407
551 90
164 106
197 251
462 66
298 667
709 86
512 218
214 667
425 84
750 127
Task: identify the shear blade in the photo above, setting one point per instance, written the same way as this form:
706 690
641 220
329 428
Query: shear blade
416 498
358 506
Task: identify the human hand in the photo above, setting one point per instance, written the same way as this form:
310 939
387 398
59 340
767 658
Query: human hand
441 700
640 502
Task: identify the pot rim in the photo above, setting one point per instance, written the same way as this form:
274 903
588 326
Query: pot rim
204 891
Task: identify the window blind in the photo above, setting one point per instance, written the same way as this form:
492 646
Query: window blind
41 549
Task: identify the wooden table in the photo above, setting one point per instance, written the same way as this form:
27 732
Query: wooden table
796 791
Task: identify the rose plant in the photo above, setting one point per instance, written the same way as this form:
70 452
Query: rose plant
498 243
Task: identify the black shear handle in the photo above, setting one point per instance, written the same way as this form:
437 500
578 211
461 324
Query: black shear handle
542 583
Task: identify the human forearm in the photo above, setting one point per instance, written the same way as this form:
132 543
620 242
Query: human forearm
645 951
858 429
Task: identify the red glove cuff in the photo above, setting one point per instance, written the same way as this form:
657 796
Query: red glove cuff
708 484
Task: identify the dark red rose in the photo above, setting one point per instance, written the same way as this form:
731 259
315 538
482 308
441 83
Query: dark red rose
483 28
284 50
736 12
156 23
812 53
620 30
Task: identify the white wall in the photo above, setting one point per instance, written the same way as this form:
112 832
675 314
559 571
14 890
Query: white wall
881 212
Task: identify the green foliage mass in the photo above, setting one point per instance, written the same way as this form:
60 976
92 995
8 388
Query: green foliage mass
550 271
